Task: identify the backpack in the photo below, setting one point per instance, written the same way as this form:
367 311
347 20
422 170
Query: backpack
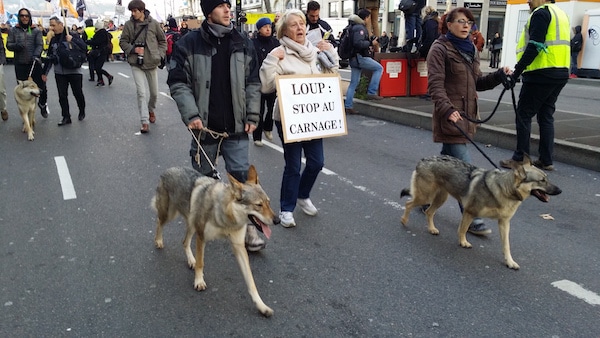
171 39
407 6
70 56
346 48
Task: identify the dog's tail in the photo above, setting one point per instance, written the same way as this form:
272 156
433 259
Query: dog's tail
405 192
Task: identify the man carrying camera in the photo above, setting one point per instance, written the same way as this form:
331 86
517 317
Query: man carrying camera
361 59
143 42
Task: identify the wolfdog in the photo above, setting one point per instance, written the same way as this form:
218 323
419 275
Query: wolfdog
492 193
213 209
26 93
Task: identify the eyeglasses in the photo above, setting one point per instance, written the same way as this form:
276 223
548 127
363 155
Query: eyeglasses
463 22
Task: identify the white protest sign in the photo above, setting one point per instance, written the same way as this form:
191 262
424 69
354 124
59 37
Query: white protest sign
311 106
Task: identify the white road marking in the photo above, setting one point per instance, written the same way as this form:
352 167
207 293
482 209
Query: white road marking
386 201
166 95
66 183
123 75
576 290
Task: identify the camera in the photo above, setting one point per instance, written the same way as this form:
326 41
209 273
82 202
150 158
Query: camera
140 57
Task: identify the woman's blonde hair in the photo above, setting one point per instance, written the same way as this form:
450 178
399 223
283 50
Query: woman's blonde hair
281 25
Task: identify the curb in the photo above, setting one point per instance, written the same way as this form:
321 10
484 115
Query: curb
583 156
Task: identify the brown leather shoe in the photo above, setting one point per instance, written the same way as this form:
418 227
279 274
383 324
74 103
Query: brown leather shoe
144 128
374 97
351 111
152 118
4 115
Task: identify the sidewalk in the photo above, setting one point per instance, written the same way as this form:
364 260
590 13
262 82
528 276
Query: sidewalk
500 130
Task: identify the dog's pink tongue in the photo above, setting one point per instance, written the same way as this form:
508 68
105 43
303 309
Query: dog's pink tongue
267 231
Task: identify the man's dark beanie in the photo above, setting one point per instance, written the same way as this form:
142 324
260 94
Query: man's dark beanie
209 5
172 23
364 13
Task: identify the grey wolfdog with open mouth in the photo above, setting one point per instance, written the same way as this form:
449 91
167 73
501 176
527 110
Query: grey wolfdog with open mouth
213 209
491 193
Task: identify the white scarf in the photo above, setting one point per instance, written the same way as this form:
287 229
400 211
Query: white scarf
307 51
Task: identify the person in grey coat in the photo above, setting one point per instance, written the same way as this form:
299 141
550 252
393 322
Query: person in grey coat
25 40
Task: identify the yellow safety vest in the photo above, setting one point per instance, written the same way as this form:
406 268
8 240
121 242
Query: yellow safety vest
89 33
557 41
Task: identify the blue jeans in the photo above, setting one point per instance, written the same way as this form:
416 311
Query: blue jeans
234 151
458 150
295 185
537 99
412 23
357 64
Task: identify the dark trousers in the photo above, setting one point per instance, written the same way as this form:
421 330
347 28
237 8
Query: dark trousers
91 58
267 102
62 84
537 99
495 59
98 67
22 73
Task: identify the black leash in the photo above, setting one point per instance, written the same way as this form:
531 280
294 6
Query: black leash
514 102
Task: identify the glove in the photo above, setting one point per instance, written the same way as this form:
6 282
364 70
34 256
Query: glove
508 81
326 59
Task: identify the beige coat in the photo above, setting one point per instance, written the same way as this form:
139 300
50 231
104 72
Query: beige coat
291 64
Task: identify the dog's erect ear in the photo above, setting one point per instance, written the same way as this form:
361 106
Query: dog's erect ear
236 186
252 175
526 159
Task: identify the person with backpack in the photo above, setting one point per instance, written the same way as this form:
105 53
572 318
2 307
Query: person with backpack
172 35
66 74
264 43
99 53
576 44
361 59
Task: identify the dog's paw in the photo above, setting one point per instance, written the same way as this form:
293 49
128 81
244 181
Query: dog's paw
159 243
404 221
266 311
200 285
513 265
465 244
192 263
434 231
30 136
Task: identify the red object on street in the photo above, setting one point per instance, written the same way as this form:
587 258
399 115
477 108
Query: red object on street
418 78
394 79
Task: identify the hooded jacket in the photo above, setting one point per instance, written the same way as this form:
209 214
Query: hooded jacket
25 41
190 77
453 83
360 36
153 38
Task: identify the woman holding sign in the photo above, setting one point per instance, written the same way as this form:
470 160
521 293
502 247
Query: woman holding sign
297 55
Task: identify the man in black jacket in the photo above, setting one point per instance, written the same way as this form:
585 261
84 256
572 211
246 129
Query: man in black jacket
25 40
214 81
65 76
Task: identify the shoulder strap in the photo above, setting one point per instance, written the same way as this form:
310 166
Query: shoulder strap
138 33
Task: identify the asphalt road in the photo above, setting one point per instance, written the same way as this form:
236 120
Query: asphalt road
81 262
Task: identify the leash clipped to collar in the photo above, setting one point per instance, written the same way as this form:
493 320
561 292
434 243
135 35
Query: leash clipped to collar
215 135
